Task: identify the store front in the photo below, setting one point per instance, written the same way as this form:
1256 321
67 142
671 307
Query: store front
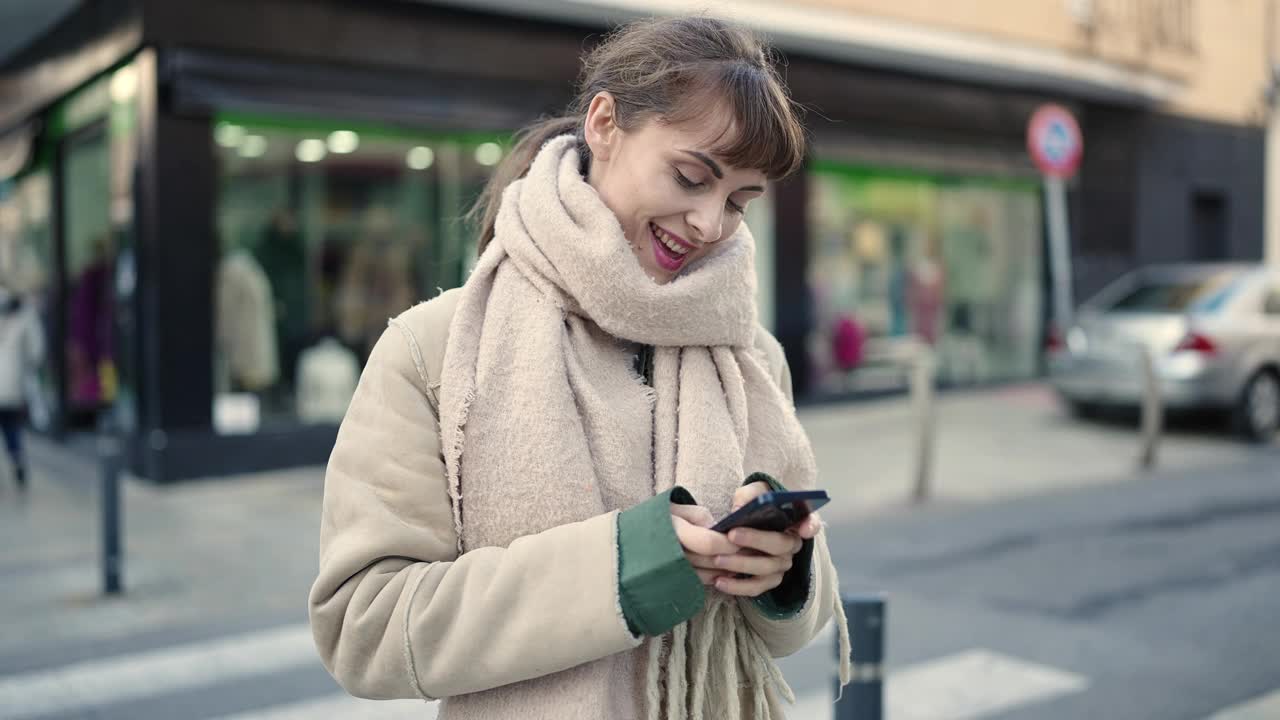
67 246
226 216
223 205
218 219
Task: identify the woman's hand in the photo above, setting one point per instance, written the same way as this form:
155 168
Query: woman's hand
701 545
765 556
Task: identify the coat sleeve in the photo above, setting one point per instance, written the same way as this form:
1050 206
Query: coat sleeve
787 633
395 612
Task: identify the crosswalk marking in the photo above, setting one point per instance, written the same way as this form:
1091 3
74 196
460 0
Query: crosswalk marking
964 686
973 684
1266 707
111 680
343 706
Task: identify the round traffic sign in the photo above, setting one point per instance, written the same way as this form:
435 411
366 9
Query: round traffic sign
1054 141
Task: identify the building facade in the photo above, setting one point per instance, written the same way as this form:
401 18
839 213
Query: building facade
220 204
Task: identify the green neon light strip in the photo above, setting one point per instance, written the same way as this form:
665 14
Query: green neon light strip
372 129
870 173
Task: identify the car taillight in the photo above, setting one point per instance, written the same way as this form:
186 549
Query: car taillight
1195 342
1053 341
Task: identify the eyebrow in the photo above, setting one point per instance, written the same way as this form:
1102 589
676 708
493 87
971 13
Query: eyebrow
706 159
717 171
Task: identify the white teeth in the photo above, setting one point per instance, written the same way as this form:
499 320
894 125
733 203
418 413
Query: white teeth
670 244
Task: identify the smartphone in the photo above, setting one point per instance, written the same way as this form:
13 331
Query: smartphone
774 511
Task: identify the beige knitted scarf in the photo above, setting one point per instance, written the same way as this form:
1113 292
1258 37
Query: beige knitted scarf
544 420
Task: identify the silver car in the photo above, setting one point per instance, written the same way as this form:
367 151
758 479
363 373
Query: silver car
1213 332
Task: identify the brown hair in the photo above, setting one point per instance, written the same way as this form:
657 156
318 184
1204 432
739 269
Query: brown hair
665 69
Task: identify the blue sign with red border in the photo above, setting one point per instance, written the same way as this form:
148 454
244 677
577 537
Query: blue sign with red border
1054 141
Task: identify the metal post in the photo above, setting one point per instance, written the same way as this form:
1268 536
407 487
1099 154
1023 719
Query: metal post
1055 191
1152 409
863 698
922 395
1271 173
112 557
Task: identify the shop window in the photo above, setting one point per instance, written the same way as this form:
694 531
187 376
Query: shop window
26 265
327 231
900 259
88 342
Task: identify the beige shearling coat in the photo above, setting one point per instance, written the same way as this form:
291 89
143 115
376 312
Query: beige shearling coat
522 631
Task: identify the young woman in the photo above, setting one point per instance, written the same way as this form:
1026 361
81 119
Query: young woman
517 511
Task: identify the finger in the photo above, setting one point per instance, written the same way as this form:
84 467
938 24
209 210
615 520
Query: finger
693 514
747 493
703 541
759 565
769 543
704 562
808 528
709 577
748 587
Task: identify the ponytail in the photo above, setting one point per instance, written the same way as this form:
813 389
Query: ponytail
514 166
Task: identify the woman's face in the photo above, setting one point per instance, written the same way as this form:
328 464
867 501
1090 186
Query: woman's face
673 199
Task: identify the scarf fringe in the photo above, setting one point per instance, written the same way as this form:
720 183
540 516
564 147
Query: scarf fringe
842 638
702 687
653 679
677 677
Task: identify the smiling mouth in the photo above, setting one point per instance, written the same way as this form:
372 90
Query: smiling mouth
669 249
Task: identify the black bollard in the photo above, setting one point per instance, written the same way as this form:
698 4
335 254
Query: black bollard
863 698
112 560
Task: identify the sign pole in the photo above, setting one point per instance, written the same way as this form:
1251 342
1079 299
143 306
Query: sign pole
1055 196
1056 145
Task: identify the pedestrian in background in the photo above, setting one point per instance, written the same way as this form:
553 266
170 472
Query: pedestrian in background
517 511
21 352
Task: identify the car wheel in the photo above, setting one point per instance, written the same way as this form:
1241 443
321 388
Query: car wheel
1258 412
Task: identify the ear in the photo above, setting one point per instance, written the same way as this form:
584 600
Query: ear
600 128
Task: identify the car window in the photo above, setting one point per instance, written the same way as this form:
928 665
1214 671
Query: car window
1204 294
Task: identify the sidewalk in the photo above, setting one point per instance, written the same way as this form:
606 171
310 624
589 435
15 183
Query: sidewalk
234 552
989 444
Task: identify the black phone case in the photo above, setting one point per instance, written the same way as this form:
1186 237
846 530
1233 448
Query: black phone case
774 511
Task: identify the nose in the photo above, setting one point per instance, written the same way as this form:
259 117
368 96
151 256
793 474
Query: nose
707 221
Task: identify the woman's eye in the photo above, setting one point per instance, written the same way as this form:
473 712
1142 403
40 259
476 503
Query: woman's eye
684 181
735 207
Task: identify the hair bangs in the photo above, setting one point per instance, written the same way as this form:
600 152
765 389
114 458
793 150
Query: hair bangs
762 130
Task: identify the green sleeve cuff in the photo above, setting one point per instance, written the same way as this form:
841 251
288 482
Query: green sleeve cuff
657 587
788 599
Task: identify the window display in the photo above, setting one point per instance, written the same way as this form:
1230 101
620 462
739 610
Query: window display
899 258
326 231
26 262
90 257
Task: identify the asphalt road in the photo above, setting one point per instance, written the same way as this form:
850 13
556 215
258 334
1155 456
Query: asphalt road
1161 594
